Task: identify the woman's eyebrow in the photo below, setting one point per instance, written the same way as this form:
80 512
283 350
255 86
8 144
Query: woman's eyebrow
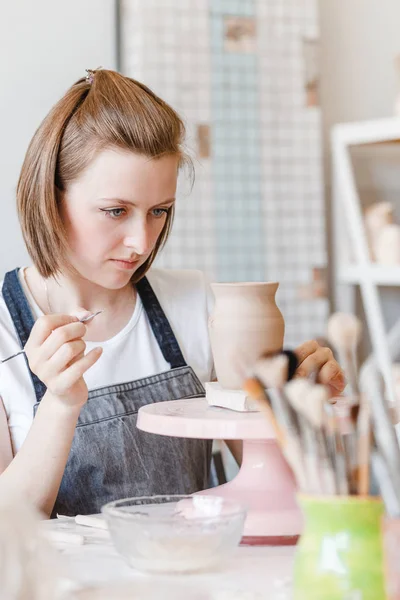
123 201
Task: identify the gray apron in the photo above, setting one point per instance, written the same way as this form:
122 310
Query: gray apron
110 458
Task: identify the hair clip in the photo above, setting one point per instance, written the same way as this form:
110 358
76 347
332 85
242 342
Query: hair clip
89 76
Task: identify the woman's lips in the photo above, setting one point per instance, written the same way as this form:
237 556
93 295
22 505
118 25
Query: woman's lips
125 264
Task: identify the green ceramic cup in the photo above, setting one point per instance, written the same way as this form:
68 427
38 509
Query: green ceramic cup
340 555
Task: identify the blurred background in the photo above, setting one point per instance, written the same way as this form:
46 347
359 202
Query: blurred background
260 84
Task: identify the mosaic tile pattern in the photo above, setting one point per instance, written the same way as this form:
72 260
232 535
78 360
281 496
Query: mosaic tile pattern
236 168
244 75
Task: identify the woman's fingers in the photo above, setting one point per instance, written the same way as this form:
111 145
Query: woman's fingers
332 375
61 336
314 358
75 371
307 348
61 359
56 354
44 327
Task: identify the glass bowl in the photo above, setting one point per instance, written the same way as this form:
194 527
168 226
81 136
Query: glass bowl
175 534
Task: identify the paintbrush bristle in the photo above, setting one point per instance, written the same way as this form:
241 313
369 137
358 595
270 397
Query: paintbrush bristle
318 397
344 330
253 387
272 372
308 399
296 392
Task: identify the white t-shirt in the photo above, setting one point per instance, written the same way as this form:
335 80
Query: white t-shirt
131 354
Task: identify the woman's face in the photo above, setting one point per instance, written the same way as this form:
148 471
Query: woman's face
114 213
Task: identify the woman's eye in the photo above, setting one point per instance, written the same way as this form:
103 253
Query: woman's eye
159 212
114 213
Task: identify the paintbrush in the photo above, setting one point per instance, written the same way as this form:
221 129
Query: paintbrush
83 320
256 391
344 332
384 432
281 423
363 448
273 374
385 484
336 449
309 400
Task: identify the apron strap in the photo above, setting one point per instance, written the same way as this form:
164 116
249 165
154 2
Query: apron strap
23 320
160 325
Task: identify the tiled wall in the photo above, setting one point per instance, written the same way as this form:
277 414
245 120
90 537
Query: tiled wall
244 75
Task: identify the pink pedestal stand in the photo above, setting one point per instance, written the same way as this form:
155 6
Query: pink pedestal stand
264 484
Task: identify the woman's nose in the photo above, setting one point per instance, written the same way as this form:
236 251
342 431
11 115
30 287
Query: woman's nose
138 239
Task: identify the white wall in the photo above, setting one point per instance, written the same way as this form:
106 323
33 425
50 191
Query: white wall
45 45
359 42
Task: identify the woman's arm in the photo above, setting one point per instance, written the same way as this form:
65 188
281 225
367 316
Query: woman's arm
55 352
37 469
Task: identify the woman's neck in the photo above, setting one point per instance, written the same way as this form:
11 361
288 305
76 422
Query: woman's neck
69 293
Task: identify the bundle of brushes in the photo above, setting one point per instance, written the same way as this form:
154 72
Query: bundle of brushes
328 453
320 455
369 414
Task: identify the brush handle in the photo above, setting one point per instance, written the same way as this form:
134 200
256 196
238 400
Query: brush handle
310 446
385 483
327 464
350 454
263 402
341 466
355 375
336 450
363 449
384 431
288 421
348 362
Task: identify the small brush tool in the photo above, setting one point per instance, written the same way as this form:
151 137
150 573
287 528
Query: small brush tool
83 320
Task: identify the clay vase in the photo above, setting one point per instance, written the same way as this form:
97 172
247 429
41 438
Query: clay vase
245 324
387 245
377 216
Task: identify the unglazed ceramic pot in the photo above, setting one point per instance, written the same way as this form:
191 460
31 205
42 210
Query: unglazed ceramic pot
377 216
245 324
387 245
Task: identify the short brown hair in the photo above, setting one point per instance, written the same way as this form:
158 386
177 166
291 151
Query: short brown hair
104 110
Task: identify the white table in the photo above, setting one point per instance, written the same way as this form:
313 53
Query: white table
253 573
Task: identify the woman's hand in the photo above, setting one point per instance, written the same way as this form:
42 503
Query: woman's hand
315 358
55 352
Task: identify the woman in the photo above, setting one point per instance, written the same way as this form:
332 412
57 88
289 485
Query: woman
96 199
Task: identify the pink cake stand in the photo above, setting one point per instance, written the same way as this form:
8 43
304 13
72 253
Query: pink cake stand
264 484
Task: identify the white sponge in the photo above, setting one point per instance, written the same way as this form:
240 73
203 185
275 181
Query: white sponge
237 400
